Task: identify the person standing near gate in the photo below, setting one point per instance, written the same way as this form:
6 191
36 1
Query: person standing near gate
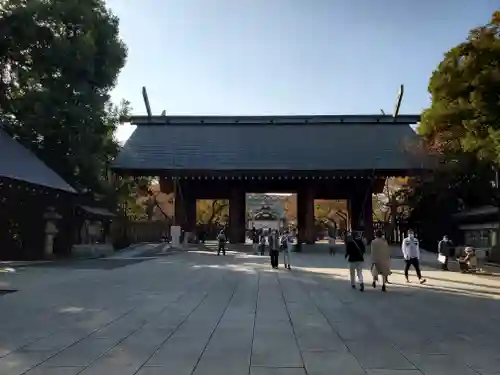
332 236
445 250
255 241
287 249
274 248
262 243
411 253
221 239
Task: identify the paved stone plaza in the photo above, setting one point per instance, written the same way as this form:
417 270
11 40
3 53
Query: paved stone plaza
196 313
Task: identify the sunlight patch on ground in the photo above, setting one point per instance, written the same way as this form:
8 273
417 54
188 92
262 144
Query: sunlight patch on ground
227 267
71 310
204 252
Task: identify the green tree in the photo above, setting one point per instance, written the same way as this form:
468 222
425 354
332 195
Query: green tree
59 59
464 116
462 129
433 198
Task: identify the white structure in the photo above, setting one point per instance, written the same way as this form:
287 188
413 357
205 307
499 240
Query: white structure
265 218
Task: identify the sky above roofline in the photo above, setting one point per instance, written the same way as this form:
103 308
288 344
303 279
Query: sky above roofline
285 56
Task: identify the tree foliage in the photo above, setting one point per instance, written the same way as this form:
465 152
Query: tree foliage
59 59
465 92
326 212
212 211
462 129
390 202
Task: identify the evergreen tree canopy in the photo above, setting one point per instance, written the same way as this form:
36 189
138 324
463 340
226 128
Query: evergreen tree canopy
465 92
59 59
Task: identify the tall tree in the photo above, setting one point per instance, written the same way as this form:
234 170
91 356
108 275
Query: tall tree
464 116
462 128
59 59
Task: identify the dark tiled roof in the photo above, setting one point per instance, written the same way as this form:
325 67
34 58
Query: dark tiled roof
224 143
18 163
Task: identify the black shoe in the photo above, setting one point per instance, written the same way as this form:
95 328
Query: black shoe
374 284
422 281
353 286
361 287
383 288
289 267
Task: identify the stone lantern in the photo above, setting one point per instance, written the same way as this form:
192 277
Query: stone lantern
51 218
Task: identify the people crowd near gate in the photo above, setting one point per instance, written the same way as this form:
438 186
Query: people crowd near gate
277 242
274 242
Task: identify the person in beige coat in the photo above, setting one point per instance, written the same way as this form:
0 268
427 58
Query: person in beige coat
381 259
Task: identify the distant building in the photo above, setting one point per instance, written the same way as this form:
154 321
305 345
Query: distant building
478 228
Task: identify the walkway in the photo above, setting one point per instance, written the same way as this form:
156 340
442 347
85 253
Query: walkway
197 313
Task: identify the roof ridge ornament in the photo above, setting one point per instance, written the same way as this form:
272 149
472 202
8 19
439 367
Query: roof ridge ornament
146 102
399 99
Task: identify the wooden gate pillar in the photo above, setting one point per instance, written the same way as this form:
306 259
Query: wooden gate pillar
305 216
360 208
185 206
237 217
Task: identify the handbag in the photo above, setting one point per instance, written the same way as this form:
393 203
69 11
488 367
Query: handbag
375 271
441 258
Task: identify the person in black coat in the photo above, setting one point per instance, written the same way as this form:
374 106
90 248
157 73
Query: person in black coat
274 248
354 253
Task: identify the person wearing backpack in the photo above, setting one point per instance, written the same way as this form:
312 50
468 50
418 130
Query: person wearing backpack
354 253
221 238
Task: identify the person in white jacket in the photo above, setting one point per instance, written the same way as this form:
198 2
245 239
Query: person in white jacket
411 253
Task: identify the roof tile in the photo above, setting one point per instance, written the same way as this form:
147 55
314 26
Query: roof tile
300 147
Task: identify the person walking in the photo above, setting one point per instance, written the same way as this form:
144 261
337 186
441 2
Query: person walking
332 235
411 253
255 241
221 238
262 243
381 259
354 253
274 248
446 250
287 249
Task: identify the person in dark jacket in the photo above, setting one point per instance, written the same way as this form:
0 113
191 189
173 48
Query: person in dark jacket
274 248
354 253
446 249
221 239
255 240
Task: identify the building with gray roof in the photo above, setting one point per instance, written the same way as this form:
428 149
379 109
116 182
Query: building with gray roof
317 157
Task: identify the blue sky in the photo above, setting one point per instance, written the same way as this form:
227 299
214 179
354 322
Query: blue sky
259 57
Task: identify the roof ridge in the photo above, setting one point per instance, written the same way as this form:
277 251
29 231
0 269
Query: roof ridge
272 120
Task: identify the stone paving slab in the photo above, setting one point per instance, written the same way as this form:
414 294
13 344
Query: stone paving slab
197 313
